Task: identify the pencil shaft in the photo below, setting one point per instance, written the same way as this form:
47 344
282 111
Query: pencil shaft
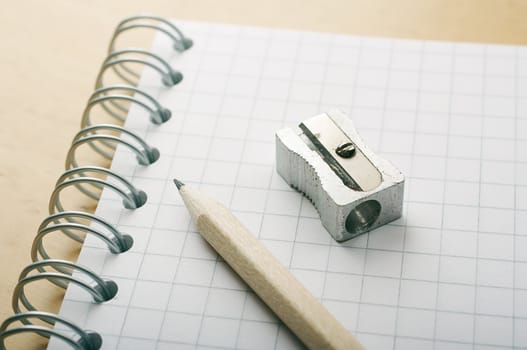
270 280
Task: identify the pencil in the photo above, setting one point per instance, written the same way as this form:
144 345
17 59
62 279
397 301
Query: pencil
271 281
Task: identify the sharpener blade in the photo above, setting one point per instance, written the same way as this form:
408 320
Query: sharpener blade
355 170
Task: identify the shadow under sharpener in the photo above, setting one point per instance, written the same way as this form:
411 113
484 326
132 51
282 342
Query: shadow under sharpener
353 189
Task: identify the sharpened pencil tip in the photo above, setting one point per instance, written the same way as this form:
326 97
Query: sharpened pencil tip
178 183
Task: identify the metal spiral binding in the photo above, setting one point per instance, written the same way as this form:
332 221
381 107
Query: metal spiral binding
90 180
120 65
181 43
158 114
160 24
132 197
83 340
116 59
116 241
100 289
145 154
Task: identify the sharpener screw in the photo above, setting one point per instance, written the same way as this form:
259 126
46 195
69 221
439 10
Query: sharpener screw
346 150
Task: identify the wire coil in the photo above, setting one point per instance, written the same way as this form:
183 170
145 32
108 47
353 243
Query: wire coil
62 222
131 196
115 101
144 153
100 289
158 114
116 59
160 24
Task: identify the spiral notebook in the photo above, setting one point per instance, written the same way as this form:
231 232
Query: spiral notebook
451 274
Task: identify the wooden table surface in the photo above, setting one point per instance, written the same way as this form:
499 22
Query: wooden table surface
51 52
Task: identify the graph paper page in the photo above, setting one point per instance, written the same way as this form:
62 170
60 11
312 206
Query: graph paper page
450 274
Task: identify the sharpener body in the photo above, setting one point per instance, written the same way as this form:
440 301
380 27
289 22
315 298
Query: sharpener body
344 211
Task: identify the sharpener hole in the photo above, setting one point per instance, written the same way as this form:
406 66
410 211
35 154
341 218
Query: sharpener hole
362 217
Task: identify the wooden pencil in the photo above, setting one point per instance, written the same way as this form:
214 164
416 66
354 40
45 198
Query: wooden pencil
271 281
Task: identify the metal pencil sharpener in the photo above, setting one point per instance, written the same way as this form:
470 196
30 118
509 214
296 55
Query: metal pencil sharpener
353 189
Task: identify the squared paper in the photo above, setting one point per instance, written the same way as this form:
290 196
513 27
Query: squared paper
450 274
